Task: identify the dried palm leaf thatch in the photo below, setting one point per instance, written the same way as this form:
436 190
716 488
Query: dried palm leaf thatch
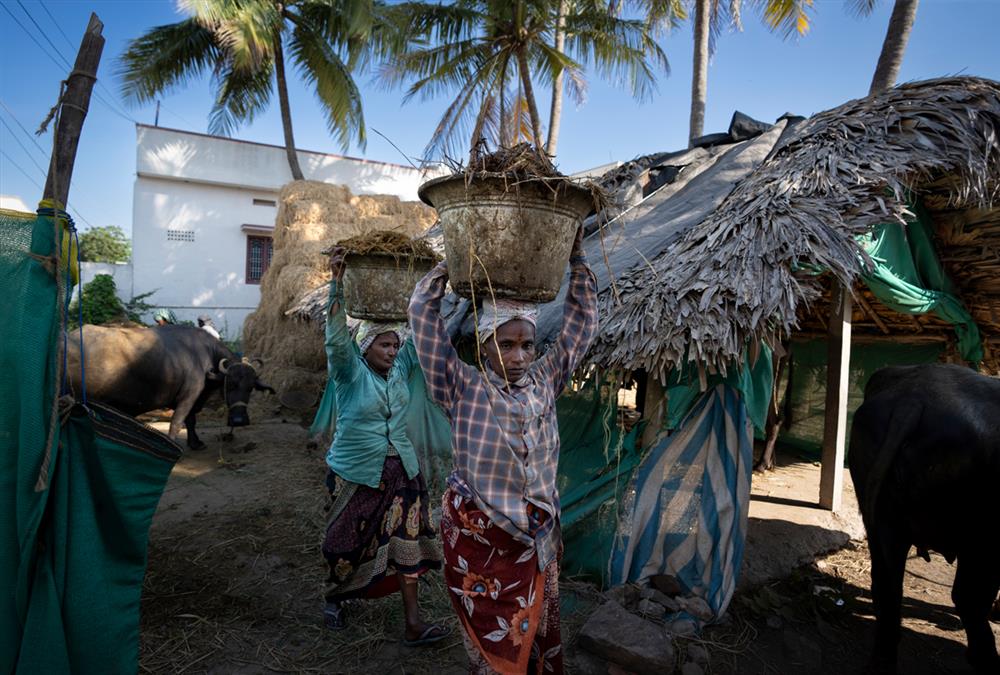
735 279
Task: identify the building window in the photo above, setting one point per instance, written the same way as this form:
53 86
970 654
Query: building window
259 252
180 235
265 202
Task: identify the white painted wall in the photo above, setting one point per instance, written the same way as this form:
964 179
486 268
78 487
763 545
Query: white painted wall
120 272
207 185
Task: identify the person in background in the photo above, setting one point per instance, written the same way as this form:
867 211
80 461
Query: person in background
164 316
205 323
379 538
500 513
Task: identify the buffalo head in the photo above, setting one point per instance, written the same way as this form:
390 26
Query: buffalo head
239 379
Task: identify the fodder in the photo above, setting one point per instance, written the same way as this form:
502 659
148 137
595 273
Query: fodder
311 217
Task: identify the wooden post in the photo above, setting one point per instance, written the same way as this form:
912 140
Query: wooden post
654 407
831 482
75 102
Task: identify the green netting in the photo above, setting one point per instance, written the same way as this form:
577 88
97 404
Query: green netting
909 278
808 385
78 486
595 464
27 397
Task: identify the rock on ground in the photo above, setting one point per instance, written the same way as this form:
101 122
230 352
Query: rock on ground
627 640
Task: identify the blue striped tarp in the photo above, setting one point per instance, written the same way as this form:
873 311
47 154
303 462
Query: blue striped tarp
686 514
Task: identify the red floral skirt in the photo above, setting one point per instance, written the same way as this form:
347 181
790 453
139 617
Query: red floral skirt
508 609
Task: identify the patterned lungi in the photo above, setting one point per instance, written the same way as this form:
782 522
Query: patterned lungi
373 533
508 609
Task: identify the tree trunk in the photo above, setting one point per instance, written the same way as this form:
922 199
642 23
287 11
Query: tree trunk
286 112
904 12
555 112
503 141
75 103
477 130
699 81
529 95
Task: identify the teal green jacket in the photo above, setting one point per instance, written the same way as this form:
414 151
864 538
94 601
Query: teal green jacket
371 410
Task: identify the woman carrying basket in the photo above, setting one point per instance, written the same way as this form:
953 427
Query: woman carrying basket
500 513
379 538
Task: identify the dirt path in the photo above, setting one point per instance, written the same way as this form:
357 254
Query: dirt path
235 576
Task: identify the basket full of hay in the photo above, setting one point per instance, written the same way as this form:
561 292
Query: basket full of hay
381 271
509 221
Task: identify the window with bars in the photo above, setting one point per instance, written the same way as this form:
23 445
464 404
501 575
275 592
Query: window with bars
259 251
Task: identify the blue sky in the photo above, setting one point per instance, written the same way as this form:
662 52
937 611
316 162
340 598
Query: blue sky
753 71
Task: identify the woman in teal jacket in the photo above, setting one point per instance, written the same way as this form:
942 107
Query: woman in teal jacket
378 538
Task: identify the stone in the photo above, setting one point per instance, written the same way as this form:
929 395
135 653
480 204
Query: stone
692 668
696 606
666 584
683 627
650 608
697 653
635 644
669 604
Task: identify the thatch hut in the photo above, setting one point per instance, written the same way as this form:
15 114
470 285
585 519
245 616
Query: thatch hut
711 261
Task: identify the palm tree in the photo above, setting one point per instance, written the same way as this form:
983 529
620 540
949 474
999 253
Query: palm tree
904 13
711 17
493 52
243 45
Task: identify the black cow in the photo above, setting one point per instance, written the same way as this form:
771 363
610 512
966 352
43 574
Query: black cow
925 460
138 369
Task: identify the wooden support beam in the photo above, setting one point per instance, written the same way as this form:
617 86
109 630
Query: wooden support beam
75 103
654 408
831 483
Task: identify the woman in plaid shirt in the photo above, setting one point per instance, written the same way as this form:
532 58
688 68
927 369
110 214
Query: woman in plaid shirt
500 513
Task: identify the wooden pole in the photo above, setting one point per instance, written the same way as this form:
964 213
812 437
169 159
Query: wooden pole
654 407
831 482
75 103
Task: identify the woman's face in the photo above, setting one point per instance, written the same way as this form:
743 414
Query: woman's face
382 352
511 349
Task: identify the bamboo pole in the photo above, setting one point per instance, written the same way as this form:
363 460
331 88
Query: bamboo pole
831 483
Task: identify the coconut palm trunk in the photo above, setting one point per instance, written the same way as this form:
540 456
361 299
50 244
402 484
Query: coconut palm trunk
286 112
555 112
529 96
904 12
699 81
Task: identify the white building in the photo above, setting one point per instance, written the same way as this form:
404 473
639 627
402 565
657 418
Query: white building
204 210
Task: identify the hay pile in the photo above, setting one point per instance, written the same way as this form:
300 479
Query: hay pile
392 243
312 216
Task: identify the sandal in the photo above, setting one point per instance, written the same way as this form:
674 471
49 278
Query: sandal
432 634
334 616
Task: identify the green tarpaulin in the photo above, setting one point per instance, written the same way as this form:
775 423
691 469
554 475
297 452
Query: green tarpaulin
78 487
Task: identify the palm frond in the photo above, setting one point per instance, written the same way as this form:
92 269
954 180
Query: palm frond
165 57
322 67
242 94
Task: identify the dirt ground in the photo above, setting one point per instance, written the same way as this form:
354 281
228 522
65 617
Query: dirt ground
235 576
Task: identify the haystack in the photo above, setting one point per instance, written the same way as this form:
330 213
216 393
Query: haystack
312 216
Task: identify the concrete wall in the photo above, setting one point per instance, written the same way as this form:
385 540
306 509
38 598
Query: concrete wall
121 272
166 153
203 188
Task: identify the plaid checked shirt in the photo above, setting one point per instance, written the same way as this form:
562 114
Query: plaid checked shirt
505 439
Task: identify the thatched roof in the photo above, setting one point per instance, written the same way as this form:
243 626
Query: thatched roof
729 280
699 259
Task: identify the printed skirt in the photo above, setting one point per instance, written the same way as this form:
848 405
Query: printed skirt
374 533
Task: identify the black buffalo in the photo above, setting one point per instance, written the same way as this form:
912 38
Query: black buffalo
925 460
139 369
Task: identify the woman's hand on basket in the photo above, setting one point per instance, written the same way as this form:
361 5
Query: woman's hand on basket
337 263
578 243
